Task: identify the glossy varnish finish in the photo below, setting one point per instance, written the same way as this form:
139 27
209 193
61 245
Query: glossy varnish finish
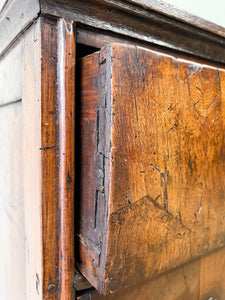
50 245
152 167
66 148
58 71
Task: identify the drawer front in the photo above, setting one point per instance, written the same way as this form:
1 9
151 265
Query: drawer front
152 164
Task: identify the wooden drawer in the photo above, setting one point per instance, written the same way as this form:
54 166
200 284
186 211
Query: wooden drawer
152 165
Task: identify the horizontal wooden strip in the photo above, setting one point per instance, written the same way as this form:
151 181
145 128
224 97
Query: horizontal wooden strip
11 67
142 24
15 16
178 14
10 103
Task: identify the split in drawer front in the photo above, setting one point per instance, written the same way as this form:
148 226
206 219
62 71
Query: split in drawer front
152 165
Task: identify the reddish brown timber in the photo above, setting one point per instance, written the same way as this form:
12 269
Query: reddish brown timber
152 164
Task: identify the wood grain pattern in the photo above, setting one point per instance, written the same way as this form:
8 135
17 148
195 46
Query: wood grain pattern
199 280
155 124
181 15
212 274
179 284
50 246
58 71
66 148
139 23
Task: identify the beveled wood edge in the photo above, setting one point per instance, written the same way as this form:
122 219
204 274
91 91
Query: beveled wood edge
164 22
58 90
49 199
181 15
128 19
66 154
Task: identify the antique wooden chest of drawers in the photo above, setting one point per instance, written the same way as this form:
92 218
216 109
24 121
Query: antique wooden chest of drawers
112 151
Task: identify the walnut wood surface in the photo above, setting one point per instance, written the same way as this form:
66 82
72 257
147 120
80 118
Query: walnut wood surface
200 280
141 23
57 149
148 21
50 244
66 152
152 167
212 274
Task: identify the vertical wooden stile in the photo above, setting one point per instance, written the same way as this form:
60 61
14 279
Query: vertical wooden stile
58 72
66 152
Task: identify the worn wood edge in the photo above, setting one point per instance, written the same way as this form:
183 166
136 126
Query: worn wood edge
96 276
82 242
98 38
166 9
142 24
80 282
15 17
49 205
181 15
106 97
66 153
204 254
58 89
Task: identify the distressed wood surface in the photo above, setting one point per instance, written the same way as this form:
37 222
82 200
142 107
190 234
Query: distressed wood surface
57 150
15 16
181 15
142 20
137 22
152 168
